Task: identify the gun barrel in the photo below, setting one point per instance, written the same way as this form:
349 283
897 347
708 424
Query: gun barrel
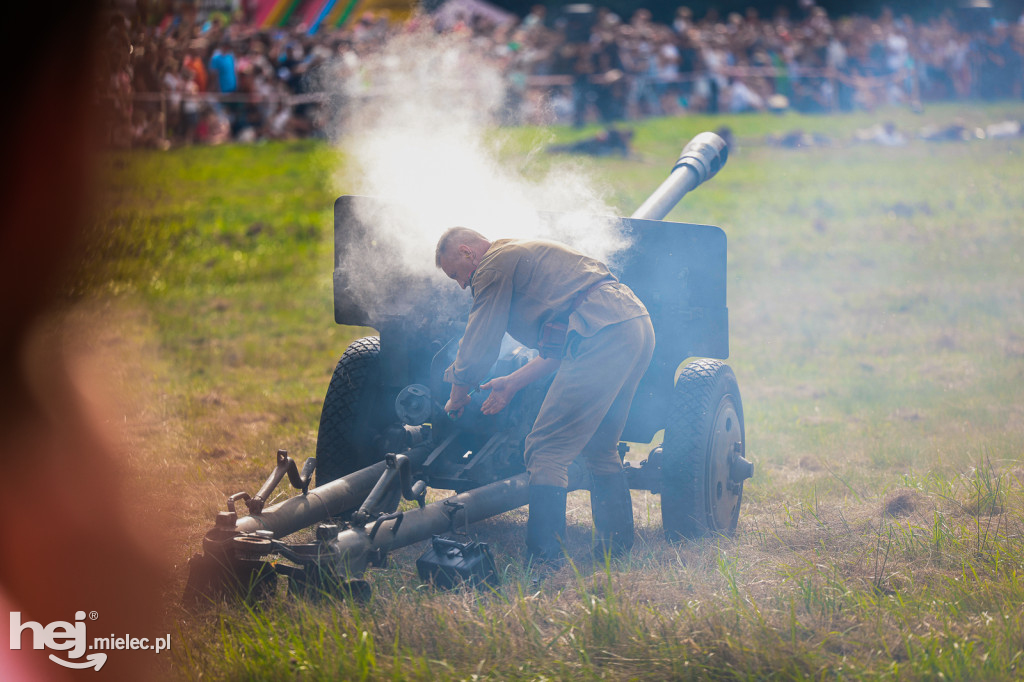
323 502
317 505
699 161
355 547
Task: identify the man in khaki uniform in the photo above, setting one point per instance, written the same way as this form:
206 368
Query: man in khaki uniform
533 290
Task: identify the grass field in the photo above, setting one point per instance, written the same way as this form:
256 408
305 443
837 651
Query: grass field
876 303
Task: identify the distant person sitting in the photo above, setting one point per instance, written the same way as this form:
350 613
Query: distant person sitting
608 142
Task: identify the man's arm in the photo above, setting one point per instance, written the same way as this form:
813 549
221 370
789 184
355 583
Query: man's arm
479 347
457 401
488 321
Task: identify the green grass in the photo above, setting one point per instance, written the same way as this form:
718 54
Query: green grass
877 333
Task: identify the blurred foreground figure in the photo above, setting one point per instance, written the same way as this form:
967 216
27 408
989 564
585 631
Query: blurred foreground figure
68 549
593 332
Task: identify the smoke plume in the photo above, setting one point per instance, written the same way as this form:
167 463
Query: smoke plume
418 131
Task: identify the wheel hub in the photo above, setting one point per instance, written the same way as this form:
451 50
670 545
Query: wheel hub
727 468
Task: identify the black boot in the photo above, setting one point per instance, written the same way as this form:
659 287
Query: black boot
545 529
612 508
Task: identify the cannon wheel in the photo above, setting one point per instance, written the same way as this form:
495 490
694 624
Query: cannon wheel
344 441
702 439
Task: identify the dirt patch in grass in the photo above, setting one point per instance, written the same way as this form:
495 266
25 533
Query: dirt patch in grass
902 503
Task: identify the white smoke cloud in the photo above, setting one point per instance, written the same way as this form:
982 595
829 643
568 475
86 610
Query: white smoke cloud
418 131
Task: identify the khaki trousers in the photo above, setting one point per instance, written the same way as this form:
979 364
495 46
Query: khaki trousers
586 407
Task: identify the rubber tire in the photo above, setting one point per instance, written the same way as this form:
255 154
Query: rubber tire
693 503
344 441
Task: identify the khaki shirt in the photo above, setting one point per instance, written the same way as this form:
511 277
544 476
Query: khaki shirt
521 285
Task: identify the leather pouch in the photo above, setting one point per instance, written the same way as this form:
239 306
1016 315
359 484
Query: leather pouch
552 339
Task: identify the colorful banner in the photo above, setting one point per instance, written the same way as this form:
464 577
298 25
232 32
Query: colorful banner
317 12
275 13
342 11
263 10
286 15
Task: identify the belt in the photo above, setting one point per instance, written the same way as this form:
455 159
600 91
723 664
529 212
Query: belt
551 343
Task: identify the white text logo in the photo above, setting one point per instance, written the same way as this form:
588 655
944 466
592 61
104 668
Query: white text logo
70 637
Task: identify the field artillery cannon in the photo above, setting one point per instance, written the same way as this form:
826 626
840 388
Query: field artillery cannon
383 435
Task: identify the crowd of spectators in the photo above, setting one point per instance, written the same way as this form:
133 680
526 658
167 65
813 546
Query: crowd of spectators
188 79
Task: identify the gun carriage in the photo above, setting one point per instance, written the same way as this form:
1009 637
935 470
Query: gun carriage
383 435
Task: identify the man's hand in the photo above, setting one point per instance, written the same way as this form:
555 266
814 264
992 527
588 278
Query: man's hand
502 389
457 401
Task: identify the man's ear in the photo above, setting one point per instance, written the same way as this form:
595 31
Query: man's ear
465 251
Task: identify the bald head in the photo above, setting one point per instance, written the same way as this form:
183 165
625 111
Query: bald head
454 237
459 251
